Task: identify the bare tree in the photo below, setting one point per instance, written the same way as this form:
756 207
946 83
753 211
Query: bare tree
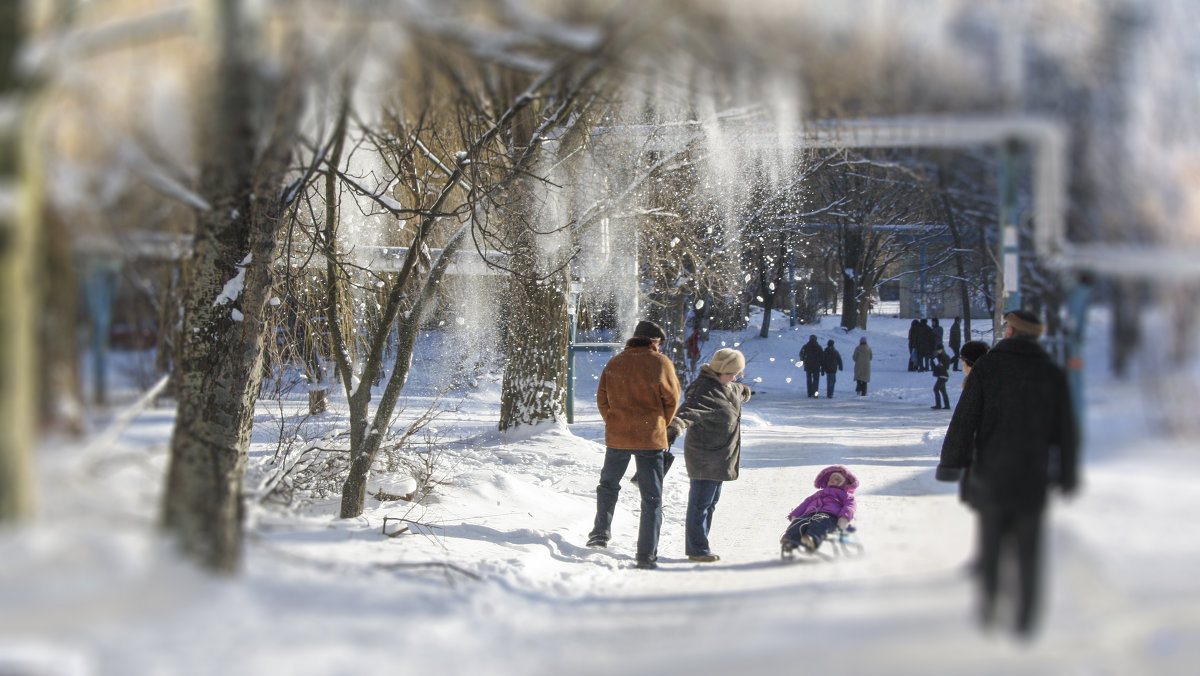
881 219
247 139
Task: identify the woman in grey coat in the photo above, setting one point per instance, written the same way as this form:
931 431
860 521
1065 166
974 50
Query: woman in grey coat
712 415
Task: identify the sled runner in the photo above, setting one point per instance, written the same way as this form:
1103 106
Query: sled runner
842 542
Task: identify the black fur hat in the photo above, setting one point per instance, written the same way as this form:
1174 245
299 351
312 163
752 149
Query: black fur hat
648 329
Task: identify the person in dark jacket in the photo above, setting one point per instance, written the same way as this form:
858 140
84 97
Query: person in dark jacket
941 374
913 330
972 350
1015 429
812 357
955 342
926 344
637 397
831 363
712 415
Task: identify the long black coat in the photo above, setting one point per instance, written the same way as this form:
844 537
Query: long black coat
1014 428
812 355
927 340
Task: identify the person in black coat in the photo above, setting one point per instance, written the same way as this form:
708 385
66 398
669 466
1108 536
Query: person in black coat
955 342
913 330
1014 428
831 363
926 344
812 356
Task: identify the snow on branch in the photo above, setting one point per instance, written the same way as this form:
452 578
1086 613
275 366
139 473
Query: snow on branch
132 157
515 45
51 53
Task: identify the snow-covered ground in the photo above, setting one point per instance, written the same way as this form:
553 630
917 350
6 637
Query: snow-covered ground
493 576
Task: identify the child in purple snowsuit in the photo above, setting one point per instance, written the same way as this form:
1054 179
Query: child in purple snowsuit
830 508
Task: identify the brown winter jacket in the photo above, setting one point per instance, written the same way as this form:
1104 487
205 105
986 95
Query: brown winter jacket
637 397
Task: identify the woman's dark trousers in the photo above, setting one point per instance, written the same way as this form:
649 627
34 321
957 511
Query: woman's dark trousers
702 502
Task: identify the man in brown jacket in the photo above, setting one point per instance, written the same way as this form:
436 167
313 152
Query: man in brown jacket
637 397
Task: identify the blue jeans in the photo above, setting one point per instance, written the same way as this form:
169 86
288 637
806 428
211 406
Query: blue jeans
940 397
814 382
702 502
650 480
830 379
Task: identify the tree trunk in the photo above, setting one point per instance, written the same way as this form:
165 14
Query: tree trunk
364 442
774 289
19 227
851 262
959 265
61 403
225 301
535 380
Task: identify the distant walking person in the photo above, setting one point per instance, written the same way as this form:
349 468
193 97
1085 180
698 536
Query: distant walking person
862 366
637 397
972 350
692 345
811 356
1014 428
941 374
955 342
926 345
831 363
914 331
712 415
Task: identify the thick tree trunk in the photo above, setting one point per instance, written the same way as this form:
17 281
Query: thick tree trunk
219 377
225 301
535 380
851 275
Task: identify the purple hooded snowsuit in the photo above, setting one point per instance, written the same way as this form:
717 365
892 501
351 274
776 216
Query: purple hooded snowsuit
835 500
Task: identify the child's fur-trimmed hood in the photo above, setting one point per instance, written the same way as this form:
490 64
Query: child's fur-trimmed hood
822 480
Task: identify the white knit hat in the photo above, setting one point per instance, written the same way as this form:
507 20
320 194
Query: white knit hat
727 360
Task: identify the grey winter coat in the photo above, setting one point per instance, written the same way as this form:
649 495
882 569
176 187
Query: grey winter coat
862 362
712 415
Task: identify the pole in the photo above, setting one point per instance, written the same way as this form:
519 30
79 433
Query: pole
1010 236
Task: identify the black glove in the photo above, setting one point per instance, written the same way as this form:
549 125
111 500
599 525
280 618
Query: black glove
1068 487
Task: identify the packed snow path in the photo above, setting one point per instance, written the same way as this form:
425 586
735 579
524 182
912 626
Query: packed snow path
494 577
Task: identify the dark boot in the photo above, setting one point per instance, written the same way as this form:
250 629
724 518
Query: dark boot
645 562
